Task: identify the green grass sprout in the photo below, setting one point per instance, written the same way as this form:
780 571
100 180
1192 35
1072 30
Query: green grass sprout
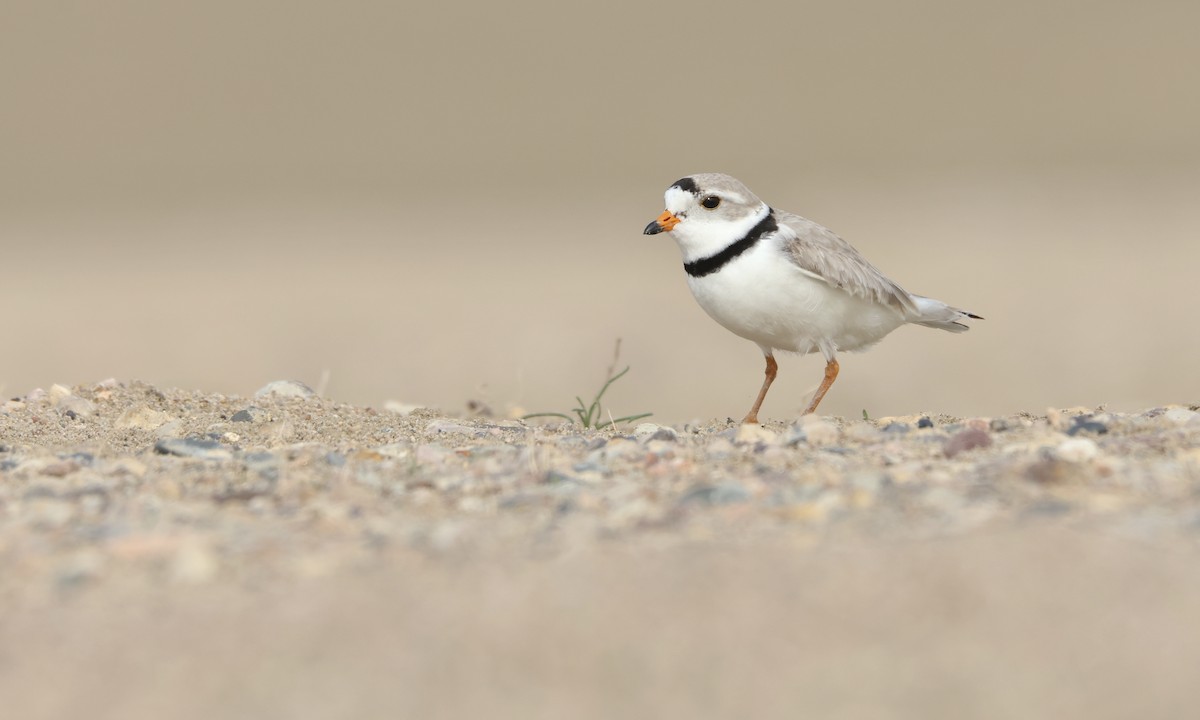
592 415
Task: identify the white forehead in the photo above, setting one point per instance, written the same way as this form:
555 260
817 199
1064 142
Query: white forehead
677 199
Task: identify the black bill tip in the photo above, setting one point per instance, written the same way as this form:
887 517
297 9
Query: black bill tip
653 228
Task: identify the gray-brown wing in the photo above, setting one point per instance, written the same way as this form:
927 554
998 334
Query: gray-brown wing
819 252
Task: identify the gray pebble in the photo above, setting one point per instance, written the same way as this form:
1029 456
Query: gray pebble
251 414
192 448
924 422
1085 424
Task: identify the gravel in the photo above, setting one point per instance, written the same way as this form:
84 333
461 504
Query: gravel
159 493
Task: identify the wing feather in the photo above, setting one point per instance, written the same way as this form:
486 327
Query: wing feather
819 252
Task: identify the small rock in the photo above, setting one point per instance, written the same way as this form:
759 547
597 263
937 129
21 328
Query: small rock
141 418
251 414
1052 470
285 389
61 468
965 440
813 432
192 448
1180 415
645 432
1077 450
74 406
1085 424
924 423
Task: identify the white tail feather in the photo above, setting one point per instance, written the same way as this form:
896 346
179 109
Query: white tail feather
937 314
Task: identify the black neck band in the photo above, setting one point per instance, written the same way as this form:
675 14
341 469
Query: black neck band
713 263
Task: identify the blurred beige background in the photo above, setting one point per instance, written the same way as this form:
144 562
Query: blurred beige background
442 204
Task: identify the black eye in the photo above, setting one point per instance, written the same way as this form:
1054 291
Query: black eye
711 202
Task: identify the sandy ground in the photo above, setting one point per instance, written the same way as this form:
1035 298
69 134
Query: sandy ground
183 554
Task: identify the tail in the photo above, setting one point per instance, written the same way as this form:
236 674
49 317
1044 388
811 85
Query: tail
937 314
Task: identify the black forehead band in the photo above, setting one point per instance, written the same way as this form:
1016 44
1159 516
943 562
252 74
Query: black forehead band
688 185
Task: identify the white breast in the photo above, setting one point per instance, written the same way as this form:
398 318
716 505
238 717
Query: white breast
764 297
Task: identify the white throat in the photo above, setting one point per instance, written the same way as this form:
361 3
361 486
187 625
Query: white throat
699 237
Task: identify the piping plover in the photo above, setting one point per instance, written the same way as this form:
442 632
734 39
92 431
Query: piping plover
784 282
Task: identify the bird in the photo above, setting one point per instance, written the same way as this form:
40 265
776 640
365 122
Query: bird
784 282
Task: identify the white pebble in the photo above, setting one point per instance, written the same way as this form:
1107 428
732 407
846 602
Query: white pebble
287 389
1077 450
1180 415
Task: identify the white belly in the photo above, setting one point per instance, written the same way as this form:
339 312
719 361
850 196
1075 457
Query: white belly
763 297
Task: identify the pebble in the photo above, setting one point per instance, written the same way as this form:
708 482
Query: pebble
813 432
428 481
861 432
250 414
58 393
1085 424
142 417
61 468
285 389
645 432
965 440
1077 450
193 448
397 451
1180 415
74 406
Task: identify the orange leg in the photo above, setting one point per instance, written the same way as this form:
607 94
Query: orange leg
831 373
772 369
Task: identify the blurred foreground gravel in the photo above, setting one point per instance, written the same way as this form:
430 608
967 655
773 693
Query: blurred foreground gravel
172 553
